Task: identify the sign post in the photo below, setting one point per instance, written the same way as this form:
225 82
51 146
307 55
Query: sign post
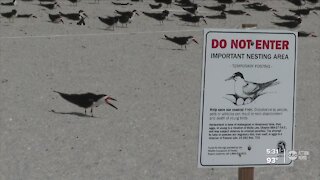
247 99
246 173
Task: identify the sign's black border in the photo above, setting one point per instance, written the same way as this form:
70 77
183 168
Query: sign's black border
203 89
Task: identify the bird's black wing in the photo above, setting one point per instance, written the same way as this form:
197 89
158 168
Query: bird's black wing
78 99
8 14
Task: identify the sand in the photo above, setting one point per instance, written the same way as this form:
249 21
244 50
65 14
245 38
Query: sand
154 133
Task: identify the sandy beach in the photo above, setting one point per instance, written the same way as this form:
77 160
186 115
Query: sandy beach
154 132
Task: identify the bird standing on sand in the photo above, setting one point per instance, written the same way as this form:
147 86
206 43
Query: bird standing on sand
74 16
74 2
10 15
110 21
52 1
155 6
167 2
192 10
306 34
55 18
258 7
297 2
182 41
184 3
13 3
121 4
50 6
225 1
288 24
186 15
217 8
26 16
158 16
288 17
222 15
124 19
300 12
130 14
237 12
313 1
87 100
193 19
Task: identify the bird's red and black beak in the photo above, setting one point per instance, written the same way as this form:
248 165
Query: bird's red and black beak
194 40
112 99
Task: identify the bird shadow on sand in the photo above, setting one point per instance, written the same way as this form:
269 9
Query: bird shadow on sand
189 25
72 113
173 49
106 29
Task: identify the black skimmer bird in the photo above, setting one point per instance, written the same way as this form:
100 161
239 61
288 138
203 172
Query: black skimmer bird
298 3
110 21
300 12
55 18
306 34
288 17
313 1
158 16
186 15
221 7
10 15
47 1
74 2
124 19
184 3
237 12
50 5
222 15
193 19
182 41
87 100
288 24
155 6
121 4
249 90
12 3
225 1
26 16
316 8
192 9
167 2
127 13
258 7
74 16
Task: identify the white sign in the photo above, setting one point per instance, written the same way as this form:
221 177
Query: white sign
247 98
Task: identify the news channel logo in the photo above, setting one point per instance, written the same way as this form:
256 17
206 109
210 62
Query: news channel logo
300 155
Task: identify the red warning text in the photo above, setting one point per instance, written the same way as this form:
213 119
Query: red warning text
250 44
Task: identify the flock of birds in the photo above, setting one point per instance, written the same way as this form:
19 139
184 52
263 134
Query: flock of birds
191 15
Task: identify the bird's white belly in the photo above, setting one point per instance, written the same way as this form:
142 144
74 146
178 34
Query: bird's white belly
238 89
